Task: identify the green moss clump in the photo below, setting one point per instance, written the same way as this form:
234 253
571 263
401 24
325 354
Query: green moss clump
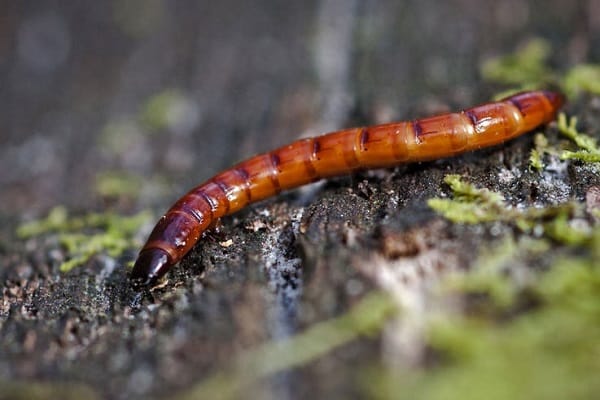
156 113
472 205
582 78
549 352
85 236
118 184
527 69
589 148
490 277
40 390
120 135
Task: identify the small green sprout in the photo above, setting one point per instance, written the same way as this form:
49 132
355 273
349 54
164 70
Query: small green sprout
536 154
535 160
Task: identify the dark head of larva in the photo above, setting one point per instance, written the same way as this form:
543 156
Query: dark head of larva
150 265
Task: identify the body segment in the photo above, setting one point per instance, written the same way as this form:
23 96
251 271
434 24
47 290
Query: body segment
336 153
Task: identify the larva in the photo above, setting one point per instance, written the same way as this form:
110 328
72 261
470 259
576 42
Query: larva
336 153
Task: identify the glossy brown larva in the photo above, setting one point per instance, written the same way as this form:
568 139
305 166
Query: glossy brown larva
336 153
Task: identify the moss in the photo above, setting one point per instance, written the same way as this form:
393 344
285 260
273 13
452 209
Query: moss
589 148
491 278
87 235
584 156
526 358
568 127
118 184
121 136
472 205
528 69
535 160
536 155
549 352
480 356
525 70
582 78
54 221
139 18
156 112
469 193
32 390
465 212
562 231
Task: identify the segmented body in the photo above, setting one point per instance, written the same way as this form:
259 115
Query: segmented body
337 153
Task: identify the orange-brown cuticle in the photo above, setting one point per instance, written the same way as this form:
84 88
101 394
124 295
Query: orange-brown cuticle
336 153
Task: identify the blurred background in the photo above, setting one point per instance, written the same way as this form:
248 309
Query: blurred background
154 97
125 105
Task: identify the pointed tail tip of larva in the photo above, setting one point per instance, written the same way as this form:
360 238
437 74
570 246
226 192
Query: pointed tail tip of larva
150 265
557 99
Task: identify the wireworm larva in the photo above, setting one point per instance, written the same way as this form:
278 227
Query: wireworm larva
336 153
